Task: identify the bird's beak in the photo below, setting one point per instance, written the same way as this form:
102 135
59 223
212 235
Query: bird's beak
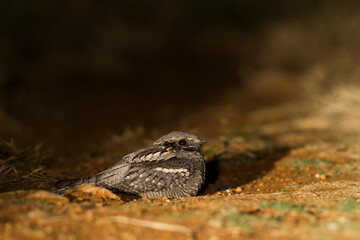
202 142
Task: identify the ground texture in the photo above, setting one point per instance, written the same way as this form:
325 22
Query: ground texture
292 173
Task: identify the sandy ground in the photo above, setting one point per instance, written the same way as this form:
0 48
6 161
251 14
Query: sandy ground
295 175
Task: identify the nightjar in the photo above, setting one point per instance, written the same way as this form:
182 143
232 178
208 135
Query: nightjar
173 167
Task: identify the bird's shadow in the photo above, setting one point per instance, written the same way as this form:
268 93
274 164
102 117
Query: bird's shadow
239 170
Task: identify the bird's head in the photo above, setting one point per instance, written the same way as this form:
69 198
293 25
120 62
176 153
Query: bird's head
180 140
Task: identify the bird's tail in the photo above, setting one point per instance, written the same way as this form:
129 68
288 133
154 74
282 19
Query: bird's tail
64 185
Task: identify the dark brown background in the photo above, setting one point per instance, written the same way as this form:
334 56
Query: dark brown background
76 71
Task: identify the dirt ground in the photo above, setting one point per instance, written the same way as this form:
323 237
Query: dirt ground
282 153
295 175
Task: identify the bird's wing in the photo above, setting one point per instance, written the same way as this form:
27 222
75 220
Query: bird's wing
146 176
150 154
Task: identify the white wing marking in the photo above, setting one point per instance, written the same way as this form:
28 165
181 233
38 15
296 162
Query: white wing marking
171 170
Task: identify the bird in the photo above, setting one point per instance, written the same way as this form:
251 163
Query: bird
172 167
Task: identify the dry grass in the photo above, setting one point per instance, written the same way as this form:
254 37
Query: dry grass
23 168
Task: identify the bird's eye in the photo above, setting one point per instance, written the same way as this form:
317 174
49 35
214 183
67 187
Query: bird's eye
182 142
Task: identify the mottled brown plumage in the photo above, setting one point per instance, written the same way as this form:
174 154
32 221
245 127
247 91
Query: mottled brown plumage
172 167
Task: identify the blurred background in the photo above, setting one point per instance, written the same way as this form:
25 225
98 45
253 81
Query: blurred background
75 72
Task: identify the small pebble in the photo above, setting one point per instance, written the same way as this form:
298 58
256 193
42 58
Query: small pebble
238 189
